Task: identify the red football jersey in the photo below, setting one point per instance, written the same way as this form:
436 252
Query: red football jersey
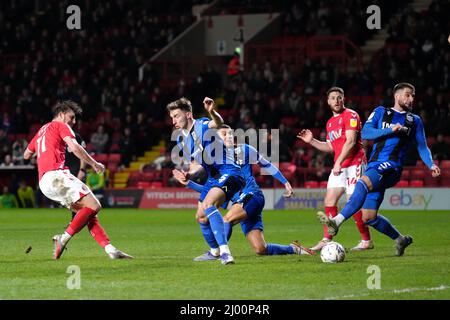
49 146
336 127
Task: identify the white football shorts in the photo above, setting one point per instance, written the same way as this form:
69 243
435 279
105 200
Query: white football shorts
347 178
63 187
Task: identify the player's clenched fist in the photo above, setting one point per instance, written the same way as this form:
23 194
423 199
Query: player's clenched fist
208 103
99 167
306 135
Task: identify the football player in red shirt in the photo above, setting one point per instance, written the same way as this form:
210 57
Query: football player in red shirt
58 184
344 139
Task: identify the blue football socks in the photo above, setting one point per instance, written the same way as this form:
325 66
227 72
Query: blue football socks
383 225
208 235
217 225
278 249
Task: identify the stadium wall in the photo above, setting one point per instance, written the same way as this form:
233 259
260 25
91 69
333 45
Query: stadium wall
181 198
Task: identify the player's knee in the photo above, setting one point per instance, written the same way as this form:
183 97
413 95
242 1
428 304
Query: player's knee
202 220
367 182
260 250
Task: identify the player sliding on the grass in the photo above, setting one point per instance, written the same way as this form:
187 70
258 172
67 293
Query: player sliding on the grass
344 139
247 205
58 184
393 130
201 145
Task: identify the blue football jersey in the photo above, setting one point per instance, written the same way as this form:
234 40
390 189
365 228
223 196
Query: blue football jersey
393 146
204 146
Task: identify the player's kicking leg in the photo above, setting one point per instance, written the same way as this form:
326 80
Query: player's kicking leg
87 209
365 195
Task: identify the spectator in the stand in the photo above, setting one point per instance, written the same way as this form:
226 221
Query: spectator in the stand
7 162
440 149
127 146
26 195
99 140
320 172
5 144
234 67
96 182
19 122
7 199
18 148
164 161
301 159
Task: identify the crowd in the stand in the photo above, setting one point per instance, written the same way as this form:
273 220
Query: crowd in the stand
104 68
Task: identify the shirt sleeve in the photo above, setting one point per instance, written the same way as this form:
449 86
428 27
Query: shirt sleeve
195 186
424 151
66 131
32 145
264 163
370 130
352 121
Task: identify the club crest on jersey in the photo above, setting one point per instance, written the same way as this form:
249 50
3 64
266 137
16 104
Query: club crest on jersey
353 123
340 121
335 134
409 117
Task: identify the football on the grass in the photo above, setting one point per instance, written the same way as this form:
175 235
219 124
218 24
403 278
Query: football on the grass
332 252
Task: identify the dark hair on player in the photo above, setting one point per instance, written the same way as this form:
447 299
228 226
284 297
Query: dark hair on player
65 106
335 89
224 126
403 85
183 104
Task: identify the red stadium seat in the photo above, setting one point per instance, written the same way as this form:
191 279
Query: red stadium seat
402 184
416 184
323 184
156 184
311 184
406 174
114 157
143 184
148 176
445 164
101 157
417 174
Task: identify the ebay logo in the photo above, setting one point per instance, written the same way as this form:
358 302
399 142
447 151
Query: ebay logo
404 200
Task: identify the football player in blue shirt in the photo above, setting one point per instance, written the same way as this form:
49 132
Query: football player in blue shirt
201 147
392 130
248 204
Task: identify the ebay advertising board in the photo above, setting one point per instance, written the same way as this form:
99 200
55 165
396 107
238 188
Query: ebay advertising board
394 199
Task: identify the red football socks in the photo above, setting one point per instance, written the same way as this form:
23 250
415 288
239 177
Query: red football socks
80 220
362 227
330 212
98 232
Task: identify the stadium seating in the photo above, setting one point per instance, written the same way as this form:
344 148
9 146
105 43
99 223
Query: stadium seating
417 183
311 184
402 184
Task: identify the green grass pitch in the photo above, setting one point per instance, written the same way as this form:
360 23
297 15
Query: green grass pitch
165 241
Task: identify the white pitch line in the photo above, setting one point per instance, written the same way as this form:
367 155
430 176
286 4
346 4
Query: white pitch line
395 291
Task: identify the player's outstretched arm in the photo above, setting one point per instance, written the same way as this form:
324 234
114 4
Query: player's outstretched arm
271 169
180 176
83 155
424 151
307 136
216 118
